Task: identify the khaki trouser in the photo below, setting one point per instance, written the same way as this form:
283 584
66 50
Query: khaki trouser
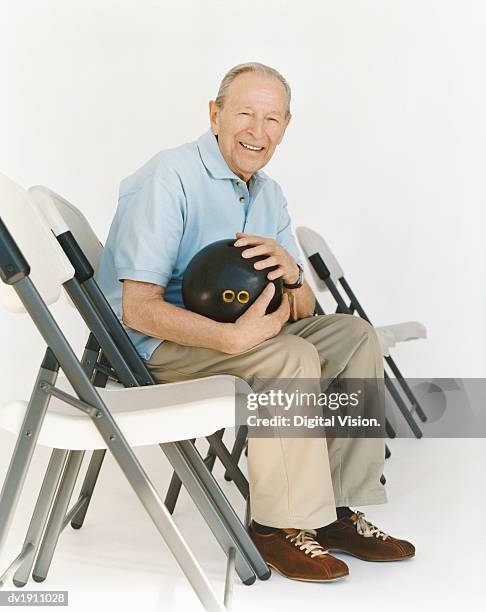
298 482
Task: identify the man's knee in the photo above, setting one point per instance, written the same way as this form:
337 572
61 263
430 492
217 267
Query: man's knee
359 325
350 328
291 357
361 331
356 326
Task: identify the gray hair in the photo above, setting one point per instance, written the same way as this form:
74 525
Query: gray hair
231 75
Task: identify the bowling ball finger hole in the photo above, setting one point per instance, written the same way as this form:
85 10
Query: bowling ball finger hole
243 297
228 296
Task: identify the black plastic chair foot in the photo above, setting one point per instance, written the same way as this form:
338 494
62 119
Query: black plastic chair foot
249 581
37 578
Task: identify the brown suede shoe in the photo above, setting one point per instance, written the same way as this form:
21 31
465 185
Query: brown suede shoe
295 554
358 537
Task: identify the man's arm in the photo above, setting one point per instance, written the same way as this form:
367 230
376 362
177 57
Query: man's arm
146 311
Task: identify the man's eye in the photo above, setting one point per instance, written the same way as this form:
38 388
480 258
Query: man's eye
273 119
244 114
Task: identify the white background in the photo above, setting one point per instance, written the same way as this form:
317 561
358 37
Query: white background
385 156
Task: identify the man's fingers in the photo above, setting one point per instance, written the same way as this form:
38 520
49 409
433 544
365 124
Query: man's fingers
249 239
274 274
261 264
264 299
283 311
284 308
260 249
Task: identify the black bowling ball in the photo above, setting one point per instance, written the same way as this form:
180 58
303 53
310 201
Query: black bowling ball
220 284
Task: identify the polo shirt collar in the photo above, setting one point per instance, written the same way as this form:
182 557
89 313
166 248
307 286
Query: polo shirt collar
214 161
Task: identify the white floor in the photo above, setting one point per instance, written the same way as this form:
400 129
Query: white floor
437 499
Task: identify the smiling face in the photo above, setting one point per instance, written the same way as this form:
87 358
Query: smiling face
251 123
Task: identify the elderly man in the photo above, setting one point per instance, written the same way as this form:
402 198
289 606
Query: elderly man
178 202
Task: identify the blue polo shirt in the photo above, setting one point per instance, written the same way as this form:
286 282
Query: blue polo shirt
177 203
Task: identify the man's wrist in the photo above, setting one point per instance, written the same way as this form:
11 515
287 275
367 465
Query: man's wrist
293 278
229 339
296 281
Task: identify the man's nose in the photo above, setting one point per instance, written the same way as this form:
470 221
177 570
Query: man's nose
257 129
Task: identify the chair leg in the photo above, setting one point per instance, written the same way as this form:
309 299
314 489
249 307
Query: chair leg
247 513
56 518
211 455
406 389
175 482
210 511
164 523
173 491
89 484
40 515
390 432
238 447
220 450
24 448
221 502
89 362
402 407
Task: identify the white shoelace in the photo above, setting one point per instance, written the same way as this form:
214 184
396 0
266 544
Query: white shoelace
304 540
366 529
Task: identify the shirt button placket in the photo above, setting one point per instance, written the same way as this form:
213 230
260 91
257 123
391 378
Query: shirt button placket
242 197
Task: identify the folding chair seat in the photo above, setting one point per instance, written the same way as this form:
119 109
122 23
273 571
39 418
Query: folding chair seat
390 335
328 276
33 268
144 415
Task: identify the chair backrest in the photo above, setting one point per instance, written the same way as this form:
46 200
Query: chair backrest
62 216
73 219
311 243
49 266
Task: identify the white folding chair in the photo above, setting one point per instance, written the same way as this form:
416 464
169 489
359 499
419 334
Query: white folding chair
75 416
68 223
328 275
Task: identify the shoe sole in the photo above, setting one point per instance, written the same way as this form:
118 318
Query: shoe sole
346 552
306 579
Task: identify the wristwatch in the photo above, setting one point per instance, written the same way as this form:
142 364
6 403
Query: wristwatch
300 280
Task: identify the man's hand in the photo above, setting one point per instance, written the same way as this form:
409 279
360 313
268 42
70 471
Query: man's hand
276 255
254 326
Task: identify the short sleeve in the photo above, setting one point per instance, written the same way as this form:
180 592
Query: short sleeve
285 236
149 231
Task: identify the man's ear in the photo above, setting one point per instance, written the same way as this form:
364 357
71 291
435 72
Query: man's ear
286 123
214 116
